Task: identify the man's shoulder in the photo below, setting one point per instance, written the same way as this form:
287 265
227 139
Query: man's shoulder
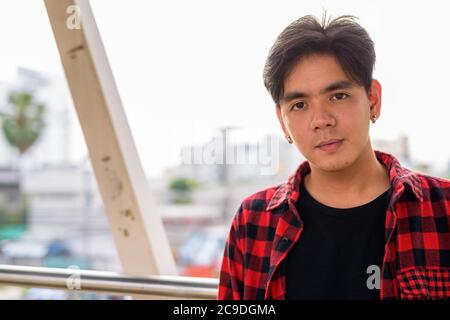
256 205
432 185
254 213
259 201
435 190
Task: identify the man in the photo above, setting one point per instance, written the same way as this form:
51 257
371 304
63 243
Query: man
351 222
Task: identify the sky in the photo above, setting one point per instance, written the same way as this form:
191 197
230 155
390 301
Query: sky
186 68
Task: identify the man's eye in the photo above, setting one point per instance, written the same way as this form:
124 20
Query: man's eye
298 105
339 96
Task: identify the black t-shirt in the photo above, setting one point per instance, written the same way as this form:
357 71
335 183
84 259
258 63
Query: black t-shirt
331 258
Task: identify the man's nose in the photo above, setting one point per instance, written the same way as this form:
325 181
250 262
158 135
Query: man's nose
322 119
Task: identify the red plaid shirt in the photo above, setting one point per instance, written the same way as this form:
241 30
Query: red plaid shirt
416 261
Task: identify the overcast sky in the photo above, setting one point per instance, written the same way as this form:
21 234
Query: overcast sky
185 68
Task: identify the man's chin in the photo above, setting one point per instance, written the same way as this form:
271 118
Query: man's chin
331 164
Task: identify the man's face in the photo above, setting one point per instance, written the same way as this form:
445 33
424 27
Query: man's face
320 103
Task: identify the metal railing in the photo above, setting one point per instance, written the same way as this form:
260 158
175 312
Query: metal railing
171 287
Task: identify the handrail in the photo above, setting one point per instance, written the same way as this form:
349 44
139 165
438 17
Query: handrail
180 287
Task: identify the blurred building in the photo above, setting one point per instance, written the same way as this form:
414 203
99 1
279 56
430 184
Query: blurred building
398 147
10 194
65 207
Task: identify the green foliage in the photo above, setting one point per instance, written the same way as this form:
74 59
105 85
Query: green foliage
182 190
23 123
14 223
182 184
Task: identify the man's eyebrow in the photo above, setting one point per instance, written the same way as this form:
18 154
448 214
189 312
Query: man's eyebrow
342 84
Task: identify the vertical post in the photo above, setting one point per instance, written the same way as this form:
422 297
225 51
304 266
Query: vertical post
136 226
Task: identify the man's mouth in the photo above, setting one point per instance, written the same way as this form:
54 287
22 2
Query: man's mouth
330 145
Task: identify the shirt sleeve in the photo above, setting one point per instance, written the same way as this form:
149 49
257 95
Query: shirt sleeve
231 273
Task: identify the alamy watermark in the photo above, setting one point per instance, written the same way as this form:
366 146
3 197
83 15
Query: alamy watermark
373 281
265 154
73 282
73 21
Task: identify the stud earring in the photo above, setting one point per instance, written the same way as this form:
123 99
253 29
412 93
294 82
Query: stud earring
373 118
289 139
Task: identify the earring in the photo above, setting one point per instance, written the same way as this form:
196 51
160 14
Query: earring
289 139
373 118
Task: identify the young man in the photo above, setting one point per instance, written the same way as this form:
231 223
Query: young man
351 222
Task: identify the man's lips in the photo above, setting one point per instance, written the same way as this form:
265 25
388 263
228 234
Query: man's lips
330 146
328 142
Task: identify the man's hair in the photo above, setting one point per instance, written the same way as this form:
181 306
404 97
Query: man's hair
343 38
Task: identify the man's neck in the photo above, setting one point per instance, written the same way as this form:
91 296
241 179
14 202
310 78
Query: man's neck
358 184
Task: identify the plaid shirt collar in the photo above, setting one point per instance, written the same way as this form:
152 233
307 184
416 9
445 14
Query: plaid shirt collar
399 177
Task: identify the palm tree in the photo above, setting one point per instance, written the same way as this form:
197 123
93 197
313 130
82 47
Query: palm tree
23 125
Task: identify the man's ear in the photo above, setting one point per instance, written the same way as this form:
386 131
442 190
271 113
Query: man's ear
375 98
280 119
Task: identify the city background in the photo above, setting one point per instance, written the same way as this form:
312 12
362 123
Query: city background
51 213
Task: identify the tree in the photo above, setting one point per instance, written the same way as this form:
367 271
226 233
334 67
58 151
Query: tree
23 124
182 190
